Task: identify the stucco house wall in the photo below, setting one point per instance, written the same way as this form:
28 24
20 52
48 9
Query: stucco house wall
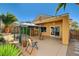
62 21
48 28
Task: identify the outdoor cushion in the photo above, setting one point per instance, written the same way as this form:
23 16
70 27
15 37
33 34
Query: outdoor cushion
8 37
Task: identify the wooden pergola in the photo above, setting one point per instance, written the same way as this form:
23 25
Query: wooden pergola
31 26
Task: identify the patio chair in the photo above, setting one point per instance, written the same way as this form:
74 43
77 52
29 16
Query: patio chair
32 45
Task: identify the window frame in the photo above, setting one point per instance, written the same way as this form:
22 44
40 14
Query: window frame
43 29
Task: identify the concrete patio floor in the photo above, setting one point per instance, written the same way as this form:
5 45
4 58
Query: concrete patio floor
50 47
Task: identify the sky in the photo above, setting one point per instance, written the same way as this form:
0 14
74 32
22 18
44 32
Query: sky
29 11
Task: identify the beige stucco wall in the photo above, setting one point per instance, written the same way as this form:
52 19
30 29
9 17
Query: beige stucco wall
65 30
62 21
48 28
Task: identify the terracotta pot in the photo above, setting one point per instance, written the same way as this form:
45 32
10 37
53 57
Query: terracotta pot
24 43
7 30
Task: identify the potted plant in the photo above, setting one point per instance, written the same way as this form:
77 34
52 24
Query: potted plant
24 43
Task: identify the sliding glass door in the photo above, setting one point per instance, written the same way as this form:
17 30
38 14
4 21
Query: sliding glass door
55 31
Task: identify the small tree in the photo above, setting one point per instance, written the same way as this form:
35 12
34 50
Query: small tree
74 25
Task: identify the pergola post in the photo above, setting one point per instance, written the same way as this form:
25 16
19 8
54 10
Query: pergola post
20 37
14 32
30 30
40 33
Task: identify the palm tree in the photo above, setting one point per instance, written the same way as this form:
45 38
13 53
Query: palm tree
60 5
8 19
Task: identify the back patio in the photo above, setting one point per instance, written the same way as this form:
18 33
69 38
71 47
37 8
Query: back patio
47 47
52 36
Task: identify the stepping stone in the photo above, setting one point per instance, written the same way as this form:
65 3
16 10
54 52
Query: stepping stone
76 43
75 52
76 49
76 46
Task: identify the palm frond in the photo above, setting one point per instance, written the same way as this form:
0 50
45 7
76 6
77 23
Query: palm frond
65 6
60 5
8 19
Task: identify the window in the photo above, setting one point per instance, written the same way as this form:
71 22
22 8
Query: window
43 29
55 31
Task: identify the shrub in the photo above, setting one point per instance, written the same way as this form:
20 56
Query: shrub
9 50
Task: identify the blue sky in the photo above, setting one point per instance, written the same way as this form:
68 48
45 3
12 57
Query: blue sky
29 11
